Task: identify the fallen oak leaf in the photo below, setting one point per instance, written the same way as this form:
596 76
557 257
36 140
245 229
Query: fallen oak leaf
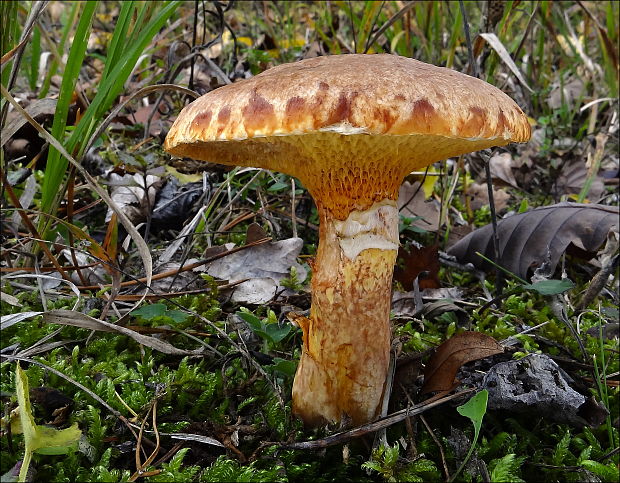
501 165
440 371
525 239
479 197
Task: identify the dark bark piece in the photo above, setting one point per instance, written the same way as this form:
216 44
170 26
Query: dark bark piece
537 385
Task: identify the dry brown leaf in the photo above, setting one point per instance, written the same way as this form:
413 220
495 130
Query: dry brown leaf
572 178
528 239
255 233
440 371
479 194
77 319
411 203
262 268
129 192
501 165
497 45
40 107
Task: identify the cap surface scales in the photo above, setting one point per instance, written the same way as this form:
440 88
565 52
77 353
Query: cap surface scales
317 116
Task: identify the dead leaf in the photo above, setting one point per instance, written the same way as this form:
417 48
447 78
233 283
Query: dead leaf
432 310
266 265
130 194
77 319
53 403
175 203
254 233
403 304
414 261
527 239
501 165
440 371
497 45
458 232
572 178
479 195
566 92
37 108
411 203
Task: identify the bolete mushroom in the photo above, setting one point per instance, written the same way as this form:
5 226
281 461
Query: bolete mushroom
350 128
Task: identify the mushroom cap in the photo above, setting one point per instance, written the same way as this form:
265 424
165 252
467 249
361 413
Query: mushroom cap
334 116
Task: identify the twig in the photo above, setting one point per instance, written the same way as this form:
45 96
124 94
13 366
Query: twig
374 426
598 282
499 275
472 62
438 443
140 467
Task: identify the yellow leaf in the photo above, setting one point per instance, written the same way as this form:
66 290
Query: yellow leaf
37 438
184 178
430 179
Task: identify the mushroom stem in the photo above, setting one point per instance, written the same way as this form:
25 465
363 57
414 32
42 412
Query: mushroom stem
346 339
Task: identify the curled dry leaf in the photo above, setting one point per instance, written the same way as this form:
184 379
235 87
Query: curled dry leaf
440 371
37 108
572 178
501 165
262 267
567 92
412 203
528 239
479 195
129 192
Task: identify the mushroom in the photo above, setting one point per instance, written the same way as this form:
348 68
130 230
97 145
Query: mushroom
350 128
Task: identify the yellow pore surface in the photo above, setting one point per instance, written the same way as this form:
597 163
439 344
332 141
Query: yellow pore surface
343 172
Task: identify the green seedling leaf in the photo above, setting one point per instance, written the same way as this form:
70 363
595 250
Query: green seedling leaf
254 322
272 333
40 439
550 287
177 315
278 186
149 312
474 409
277 333
284 366
152 311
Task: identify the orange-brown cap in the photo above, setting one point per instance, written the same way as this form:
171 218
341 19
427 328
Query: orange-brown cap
317 116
